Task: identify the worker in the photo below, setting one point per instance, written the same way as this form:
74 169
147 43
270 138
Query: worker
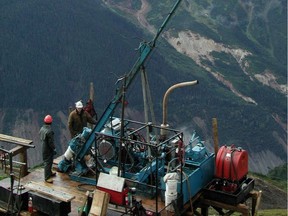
78 119
48 148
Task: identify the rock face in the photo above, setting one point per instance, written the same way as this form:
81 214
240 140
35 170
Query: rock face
199 48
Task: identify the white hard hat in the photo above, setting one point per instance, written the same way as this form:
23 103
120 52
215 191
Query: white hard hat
78 104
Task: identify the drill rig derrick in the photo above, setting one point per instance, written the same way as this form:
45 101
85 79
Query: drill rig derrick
145 49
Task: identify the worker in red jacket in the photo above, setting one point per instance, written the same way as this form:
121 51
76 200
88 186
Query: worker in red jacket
48 148
78 119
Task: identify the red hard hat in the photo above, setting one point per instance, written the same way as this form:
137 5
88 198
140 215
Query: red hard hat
48 119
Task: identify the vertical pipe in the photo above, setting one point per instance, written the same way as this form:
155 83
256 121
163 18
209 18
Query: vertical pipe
215 135
156 180
11 198
91 97
91 93
144 91
165 100
122 130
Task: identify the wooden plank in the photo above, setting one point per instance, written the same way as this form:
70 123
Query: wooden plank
100 203
3 207
3 210
242 208
15 140
49 191
17 150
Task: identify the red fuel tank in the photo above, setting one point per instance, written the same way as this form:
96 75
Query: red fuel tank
231 163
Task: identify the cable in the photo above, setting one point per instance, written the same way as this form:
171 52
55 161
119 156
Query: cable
189 189
79 187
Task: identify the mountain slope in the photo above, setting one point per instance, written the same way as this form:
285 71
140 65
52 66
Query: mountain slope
245 61
51 51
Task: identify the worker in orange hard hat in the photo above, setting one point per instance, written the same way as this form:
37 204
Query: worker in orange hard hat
78 119
48 148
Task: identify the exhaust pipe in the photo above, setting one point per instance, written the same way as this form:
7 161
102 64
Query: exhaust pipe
165 100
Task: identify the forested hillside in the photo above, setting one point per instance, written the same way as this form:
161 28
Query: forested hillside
52 50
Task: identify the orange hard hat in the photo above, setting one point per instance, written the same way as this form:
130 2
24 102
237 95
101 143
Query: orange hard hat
48 119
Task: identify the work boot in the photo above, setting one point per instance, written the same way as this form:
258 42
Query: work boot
49 180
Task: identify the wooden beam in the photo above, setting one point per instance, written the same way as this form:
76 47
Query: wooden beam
242 208
48 191
256 197
17 150
22 152
21 149
16 140
23 159
100 203
2 210
215 135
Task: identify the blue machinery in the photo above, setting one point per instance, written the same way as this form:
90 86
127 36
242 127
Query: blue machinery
142 160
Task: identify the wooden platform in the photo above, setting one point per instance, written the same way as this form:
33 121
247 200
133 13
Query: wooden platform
62 188
66 189
228 209
76 193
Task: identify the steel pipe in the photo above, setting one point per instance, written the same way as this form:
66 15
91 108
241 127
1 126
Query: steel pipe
165 98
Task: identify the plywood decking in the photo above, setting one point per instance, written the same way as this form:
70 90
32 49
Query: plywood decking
62 186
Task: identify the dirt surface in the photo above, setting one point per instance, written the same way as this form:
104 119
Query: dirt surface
272 197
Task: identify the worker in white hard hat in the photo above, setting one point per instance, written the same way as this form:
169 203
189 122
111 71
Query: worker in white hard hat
78 119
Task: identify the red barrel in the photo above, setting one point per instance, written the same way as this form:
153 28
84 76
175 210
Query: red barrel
231 163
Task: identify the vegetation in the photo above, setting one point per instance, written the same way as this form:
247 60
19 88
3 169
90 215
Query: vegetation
272 212
278 173
266 212
3 176
276 176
